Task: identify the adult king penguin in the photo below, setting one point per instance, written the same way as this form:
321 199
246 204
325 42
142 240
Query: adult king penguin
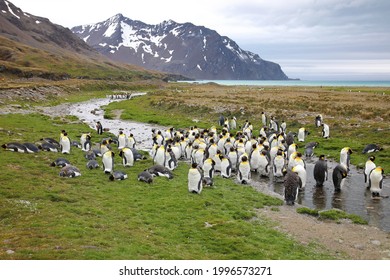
65 144
226 167
279 164
325 131
195 183
345 157
208 168
369 166
244 171
320 171
127 157
376 182
108 161
339 174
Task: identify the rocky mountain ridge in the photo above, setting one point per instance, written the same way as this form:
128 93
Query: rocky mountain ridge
186 49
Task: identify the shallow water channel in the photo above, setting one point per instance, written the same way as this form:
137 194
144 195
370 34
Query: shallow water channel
354 197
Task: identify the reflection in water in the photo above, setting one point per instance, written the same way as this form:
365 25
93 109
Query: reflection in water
354 197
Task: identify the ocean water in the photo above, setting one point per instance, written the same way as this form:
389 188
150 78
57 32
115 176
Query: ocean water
295 83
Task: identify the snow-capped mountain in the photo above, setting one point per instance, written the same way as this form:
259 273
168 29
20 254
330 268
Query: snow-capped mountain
193 51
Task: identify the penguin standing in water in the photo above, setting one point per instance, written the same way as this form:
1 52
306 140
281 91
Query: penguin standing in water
376 182
320 171
65 144
127 157
279 164
291 186
108 161
264 164
301 171
195 183
369 166
325 131
345 157
339 174
244 171
226 167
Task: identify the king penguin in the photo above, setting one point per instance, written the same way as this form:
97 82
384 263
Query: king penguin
108 161
291 185
325 131
195 183
320 171
127 157
208 168
118 176
15 147
226 167
70 171
301 171
345 157
339 174
244 171
370 165
145 176
160 156
376 182
65 144
279 164
121 140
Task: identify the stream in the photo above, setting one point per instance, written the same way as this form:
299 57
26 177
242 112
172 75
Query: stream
354 198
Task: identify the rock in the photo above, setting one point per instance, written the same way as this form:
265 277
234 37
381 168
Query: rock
10 252
376 242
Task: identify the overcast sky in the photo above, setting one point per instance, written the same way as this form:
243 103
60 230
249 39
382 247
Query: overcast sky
310 39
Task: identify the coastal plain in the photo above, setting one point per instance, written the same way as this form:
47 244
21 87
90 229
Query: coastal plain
48 217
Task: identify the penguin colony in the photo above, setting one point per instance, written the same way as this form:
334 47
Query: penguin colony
272 153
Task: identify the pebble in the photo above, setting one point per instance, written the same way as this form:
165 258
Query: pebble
10 252
376 242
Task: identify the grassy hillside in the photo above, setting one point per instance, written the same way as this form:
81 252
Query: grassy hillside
19 60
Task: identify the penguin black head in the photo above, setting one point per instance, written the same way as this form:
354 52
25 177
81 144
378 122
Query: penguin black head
322 157
244 158
372 158
111 177
194 165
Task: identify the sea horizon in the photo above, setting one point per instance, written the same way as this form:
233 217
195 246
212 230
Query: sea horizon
314 83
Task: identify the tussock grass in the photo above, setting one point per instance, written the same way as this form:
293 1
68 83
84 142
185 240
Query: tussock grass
332 214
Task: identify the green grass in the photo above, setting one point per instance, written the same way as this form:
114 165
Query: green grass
43 216
332 214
